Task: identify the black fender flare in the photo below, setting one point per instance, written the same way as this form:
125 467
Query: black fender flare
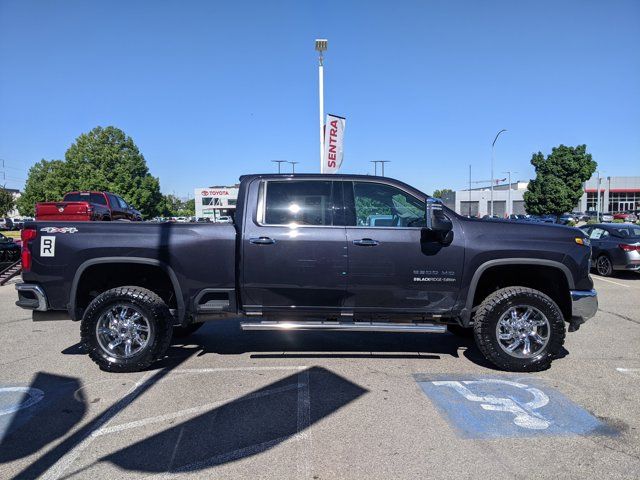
144 261
466 313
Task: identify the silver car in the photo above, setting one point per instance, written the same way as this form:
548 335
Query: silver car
614 246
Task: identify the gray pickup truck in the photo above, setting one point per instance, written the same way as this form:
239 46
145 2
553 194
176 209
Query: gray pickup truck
313 252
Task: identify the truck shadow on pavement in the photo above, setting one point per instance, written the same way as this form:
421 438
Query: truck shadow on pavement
224 337
243 427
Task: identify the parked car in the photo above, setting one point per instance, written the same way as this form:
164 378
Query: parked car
606 217
9 250
6 223
87 206
625 216
224 219
297 258
582 216
614 246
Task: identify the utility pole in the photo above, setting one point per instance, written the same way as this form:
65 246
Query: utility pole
381 162
279 162
469 190
509 205
492 161
293 166
321 46
598 196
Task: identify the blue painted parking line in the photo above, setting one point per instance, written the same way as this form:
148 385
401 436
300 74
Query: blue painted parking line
480 406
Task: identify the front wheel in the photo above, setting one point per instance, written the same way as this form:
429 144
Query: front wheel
126 329
519 329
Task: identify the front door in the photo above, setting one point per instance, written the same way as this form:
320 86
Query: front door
394 265
294 251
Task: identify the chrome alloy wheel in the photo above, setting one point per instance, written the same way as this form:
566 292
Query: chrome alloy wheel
123 331
523 331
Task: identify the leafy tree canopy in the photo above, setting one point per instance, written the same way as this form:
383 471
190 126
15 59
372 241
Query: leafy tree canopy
557 187
175 207
6 202
104 159
442 193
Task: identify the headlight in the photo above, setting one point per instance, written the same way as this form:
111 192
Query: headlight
583 241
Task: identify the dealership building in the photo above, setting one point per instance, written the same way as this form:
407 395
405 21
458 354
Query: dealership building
215 202
617 194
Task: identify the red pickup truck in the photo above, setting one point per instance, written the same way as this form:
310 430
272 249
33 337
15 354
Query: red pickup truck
86 206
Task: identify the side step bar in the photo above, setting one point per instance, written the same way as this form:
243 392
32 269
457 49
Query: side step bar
346 326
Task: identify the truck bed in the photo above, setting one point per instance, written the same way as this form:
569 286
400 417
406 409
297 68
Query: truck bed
195 255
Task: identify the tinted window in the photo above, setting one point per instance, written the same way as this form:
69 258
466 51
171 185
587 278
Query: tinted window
380 205
85 197
113 200
300 203
122 203
627 231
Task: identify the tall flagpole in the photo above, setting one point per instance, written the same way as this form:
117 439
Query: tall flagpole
321 46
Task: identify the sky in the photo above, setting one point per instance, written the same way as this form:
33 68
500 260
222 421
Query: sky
212 90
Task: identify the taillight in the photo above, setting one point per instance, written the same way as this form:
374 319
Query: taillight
629 248
26 235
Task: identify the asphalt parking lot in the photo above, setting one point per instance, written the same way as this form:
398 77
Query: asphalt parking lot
229 404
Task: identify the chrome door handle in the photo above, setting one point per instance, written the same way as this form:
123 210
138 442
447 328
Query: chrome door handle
262 241
366 242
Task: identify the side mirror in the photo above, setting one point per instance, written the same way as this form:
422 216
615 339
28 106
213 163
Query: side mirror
437 222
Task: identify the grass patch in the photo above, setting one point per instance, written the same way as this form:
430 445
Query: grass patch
12 234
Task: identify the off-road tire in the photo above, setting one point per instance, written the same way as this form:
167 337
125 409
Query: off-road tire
460 331
182 332
494 306
154 309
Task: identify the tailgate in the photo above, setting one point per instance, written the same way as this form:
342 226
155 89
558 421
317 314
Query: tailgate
68 211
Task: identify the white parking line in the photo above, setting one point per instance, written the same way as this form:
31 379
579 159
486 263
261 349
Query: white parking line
58 468
628 370
610 281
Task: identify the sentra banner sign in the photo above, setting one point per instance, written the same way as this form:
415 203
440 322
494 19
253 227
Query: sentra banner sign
333 144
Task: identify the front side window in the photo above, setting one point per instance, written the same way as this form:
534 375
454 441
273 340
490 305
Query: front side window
298 203
380 205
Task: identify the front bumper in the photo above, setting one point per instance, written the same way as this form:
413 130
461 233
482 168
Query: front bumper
31 297
584 305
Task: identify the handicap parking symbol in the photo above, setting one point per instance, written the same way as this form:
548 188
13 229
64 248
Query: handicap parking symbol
493 407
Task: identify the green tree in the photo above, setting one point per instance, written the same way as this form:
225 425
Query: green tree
107 159
557 187
6 202
47 181
103 159
442 193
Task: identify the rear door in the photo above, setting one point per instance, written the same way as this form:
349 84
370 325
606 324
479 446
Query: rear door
294 248
393 265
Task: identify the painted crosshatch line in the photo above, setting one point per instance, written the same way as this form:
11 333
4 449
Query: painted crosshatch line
485 407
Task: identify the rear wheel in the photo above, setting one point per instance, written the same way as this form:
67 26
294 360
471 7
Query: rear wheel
126 329
519 329
604 267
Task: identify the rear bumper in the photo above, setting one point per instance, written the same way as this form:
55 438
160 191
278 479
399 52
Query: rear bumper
584 305
31 297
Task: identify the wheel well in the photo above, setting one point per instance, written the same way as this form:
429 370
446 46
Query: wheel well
548 280
101 277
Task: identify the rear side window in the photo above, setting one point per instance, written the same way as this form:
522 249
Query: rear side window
298 203
98 198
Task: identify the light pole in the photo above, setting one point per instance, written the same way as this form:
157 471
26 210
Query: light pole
598 196
321 46
293 166
376 162
509 205
492 157
279 162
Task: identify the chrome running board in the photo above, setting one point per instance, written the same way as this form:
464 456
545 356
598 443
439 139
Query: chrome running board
346 326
